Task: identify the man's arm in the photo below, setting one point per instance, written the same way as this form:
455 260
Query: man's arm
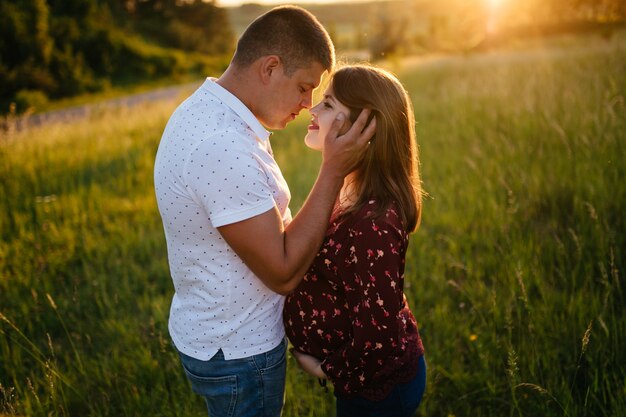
280 256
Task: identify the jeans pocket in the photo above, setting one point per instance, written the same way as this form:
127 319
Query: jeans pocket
220 392
276 357
272 378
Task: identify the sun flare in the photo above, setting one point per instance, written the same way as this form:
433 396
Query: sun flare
494 7
494 4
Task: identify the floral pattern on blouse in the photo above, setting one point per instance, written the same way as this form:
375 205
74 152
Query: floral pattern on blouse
350 310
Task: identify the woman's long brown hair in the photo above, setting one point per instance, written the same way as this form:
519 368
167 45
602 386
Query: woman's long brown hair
389 171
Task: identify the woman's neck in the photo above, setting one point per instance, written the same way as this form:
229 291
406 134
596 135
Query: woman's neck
347 196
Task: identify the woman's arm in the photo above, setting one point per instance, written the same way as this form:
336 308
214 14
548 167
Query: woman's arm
309 364
279 255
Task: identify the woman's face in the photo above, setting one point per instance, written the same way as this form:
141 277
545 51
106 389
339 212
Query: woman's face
324 114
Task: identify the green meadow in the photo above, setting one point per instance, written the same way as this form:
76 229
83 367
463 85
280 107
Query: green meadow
516 275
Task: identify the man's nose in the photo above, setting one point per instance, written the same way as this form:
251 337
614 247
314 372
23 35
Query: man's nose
307 100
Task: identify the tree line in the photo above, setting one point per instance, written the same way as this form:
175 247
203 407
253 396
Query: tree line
60 48
51 49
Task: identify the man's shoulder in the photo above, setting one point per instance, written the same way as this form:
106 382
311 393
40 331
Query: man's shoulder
200 106
227 139
228 148
212 125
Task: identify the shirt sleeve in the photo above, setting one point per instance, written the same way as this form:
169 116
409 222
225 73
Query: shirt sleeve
227 181
373 269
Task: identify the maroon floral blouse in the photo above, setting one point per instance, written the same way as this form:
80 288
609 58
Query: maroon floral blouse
350 310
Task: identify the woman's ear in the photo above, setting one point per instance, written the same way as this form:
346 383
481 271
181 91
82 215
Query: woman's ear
346 125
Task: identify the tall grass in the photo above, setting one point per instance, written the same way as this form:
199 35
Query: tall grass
516 269
85 289
515 275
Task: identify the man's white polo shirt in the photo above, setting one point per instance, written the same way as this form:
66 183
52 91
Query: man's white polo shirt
215 167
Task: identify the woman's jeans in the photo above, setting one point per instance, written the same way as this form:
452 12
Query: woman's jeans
247 387
402 401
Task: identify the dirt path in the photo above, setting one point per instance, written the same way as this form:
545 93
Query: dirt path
77 112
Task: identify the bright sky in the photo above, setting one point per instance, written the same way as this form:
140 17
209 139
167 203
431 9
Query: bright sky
224 3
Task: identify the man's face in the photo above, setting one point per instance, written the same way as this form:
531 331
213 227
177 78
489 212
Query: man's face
288 95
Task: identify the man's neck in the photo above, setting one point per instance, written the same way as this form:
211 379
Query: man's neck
237 83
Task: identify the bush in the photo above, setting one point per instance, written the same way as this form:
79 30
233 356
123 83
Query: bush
66 48
29 99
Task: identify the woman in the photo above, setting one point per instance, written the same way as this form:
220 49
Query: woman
349 320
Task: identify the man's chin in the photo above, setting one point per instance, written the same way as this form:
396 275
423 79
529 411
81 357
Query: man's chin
280 125
276 124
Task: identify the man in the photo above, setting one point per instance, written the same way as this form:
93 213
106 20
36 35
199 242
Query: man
233 248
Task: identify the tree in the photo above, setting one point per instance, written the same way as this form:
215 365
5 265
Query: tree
65 47
388 34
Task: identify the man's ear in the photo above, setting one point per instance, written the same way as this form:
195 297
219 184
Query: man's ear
269 65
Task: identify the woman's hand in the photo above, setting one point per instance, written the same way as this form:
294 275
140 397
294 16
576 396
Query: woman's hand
343 152
309 364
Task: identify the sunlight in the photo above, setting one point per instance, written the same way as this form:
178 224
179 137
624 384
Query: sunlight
494 4
494 8
235 3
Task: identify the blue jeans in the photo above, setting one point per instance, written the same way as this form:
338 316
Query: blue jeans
402 401
247 387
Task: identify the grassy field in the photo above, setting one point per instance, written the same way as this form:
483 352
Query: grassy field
515 276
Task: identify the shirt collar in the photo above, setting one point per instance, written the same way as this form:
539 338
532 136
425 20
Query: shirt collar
237 106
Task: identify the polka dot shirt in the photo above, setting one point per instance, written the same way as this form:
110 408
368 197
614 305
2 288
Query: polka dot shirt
214 167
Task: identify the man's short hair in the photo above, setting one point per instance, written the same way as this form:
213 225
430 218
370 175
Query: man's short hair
290 32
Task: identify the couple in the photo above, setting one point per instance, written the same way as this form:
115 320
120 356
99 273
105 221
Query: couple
235 251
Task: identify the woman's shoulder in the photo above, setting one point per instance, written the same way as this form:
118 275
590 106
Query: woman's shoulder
387 214
371 214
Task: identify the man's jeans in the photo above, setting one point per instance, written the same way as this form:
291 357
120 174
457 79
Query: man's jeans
247 387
